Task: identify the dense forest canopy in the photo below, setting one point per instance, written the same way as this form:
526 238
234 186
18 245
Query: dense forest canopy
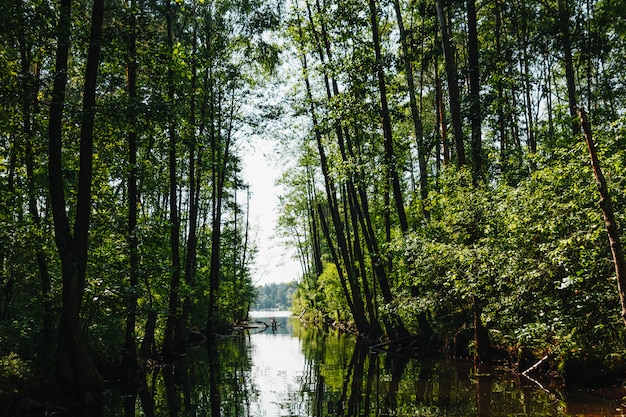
441 183
124 213
444 185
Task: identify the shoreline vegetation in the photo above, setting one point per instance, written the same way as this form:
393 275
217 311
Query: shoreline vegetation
536 367
28 393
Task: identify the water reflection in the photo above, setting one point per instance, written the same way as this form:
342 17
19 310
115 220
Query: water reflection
297 371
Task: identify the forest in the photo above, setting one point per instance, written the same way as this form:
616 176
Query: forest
274 296
444 185
439 183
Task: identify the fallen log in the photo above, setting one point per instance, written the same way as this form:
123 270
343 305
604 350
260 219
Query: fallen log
537 365
250 325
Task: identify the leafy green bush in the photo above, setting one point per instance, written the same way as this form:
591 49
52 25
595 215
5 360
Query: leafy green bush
15 374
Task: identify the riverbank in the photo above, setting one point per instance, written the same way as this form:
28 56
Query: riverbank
302 369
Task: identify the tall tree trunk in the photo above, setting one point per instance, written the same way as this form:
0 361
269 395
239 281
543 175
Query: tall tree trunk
235 260
441 129
607 211
474 79
564 25
220 145
482 344
453 86
30 106
129 366
548 90
390 156
531 141
194 199
315 235
75 371
12 206
500 88
216 226
353 295
169 342
418 127
242 259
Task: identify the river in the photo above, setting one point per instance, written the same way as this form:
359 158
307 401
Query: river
294 370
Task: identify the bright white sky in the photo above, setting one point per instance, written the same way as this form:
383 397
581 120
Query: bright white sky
262 167
274 261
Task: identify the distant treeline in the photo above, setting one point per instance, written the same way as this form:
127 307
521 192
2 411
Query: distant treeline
275 296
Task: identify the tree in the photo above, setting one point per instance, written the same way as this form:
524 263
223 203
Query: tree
169 342
76 373
563 23
453 86
418 127
340 251
607 211
390 156
130 344
474 79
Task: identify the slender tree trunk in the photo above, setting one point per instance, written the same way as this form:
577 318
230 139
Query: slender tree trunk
548 90
481 336
390 156
315 235
441 129
607 211
453 86
566 43
474 114
12 205
356 304
235 256
531 141
30 106
129 366
240 260
75 371
216 216
169 343
220 155
418 127
500 89
194 184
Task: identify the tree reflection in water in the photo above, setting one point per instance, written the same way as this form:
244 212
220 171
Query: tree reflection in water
299 371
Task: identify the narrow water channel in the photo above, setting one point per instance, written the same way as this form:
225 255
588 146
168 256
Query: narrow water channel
294 370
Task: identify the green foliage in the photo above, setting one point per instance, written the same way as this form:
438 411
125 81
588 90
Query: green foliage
307 298
526 235
274 296
329 287
537 254
16 374
528 240
322 298
193 92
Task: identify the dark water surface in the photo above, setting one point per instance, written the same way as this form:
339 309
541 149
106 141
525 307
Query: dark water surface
299 371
